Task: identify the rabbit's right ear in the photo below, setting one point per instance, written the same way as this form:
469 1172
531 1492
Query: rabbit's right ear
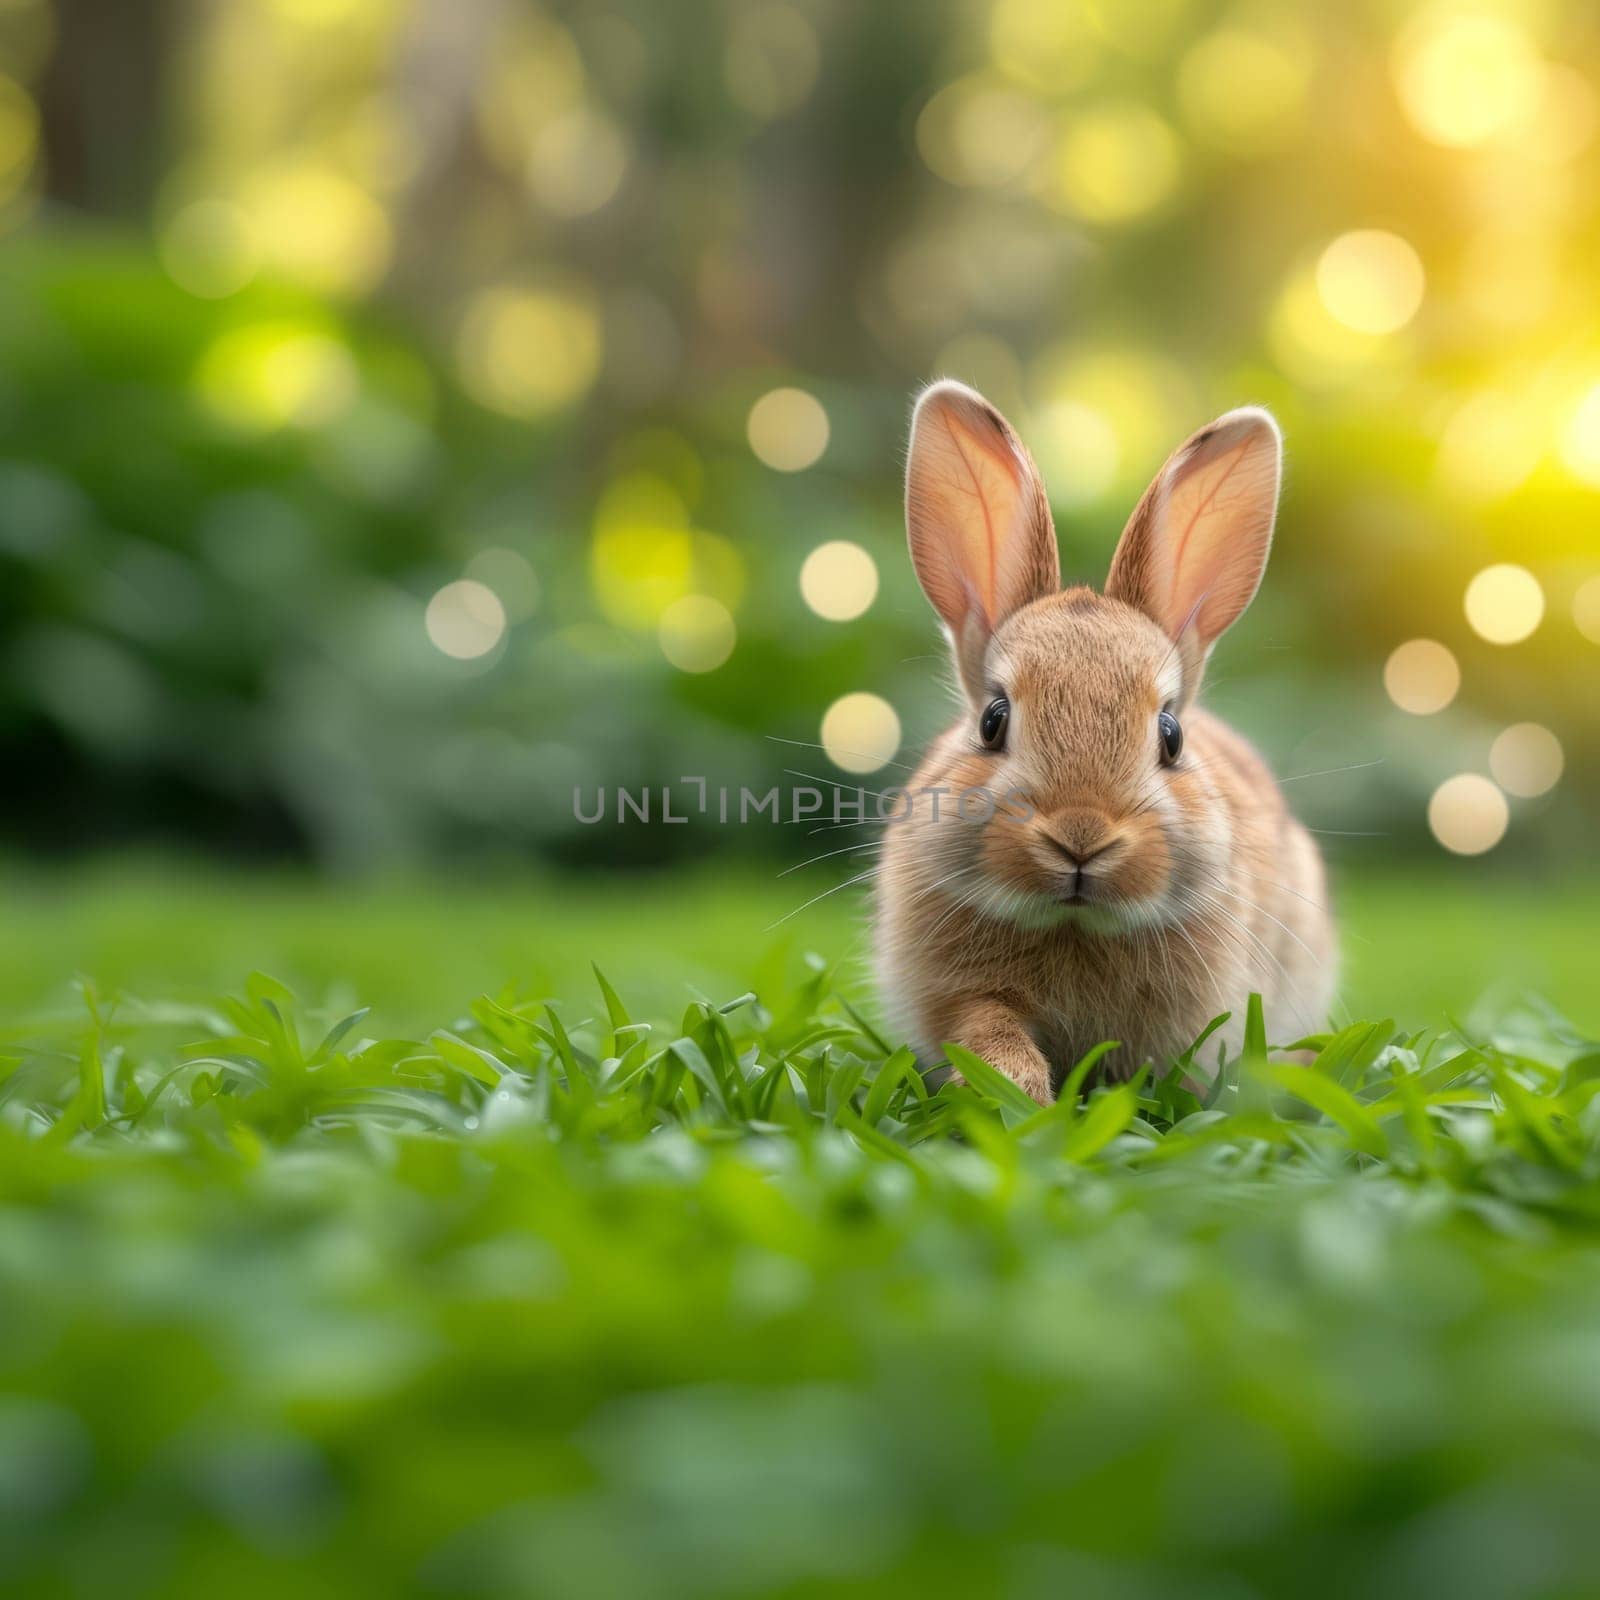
1192 555
977 520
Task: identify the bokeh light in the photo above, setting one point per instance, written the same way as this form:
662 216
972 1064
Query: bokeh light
465 619
534 73
1421 676
1468 814
540 323
267 375
1565 118
1370 280
788 430
1105 415
1077 450
1117 162
697 633
529 352
510 574
1586 609
643 553
1464 76
1045 44
1526 760
209 248
19 136
1312 346
1580 443
1243 91
1504 603
771 58
577 162
980 130
839 580
1492 444
317 227
860 732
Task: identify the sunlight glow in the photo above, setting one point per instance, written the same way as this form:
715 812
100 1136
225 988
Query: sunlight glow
1468 814
1464 77
1077 450
1504 603
1580 444
1106 414
1421 676
839 580
1510 275
1526 760
1492 444
860 732
1565 119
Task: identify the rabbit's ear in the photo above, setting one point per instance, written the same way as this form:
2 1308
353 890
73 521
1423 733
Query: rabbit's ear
1194 550
977 520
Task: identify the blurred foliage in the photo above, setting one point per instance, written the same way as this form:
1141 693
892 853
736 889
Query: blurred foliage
552 1302
334 305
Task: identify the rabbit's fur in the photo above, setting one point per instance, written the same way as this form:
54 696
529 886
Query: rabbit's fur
1105 893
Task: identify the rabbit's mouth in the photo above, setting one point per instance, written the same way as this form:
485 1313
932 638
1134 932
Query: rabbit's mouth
1082 889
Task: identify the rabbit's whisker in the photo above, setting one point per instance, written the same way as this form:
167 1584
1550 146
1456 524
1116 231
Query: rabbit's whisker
1329 772
866 755
860 877
844 850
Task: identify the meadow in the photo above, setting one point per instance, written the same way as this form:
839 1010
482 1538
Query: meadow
1419 942
528 1282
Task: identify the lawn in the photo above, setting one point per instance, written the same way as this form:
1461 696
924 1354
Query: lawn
474 1295
1417 945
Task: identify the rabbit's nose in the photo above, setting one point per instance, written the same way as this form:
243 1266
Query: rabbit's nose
1080 836
1072 856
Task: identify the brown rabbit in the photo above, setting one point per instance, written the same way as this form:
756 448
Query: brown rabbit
1086 854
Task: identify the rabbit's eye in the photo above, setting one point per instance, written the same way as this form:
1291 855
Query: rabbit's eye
992 724
1171 737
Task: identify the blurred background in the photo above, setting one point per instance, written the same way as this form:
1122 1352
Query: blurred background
412 413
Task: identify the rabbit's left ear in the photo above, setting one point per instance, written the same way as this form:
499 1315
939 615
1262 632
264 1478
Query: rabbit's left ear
982 539
1192 555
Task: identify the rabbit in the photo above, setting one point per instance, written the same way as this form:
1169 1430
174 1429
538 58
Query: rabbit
1086 854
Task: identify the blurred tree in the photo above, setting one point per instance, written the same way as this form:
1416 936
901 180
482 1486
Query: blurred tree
105 102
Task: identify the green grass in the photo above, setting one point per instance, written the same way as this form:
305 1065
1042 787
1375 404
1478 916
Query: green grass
1417 945
544 1300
